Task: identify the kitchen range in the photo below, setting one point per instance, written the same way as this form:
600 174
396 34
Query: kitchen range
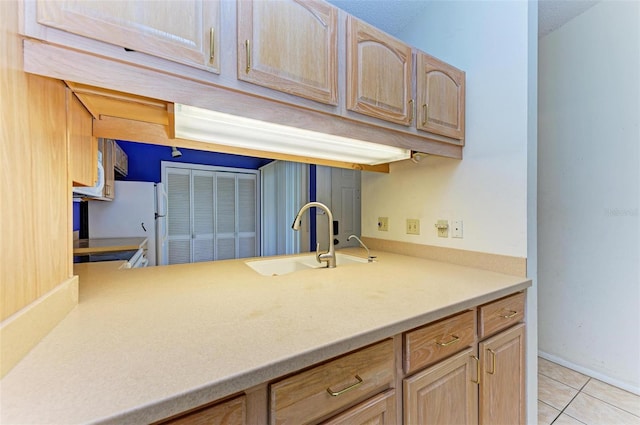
133 252
117 227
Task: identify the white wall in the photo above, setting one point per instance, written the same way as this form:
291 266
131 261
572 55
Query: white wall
493 189
589 188
488 189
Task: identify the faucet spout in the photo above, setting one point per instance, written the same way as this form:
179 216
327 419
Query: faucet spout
330 256
370 258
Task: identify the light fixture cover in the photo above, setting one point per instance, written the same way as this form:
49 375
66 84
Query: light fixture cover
203 125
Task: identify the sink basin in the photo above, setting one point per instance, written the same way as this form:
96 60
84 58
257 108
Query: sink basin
285 265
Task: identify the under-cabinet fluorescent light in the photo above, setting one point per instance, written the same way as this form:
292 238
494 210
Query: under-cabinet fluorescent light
203 125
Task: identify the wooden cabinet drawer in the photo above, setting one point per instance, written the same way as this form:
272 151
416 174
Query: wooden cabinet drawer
500 314
380 410
230 412
427 345
318 393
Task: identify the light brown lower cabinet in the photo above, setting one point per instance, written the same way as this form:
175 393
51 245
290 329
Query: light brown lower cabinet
502 382
320 393
446 393
378 410
230 412
480 382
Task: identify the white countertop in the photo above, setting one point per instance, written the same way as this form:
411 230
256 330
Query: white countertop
144 344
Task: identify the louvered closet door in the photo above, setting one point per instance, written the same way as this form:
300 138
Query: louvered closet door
212 215
247 217
203 217
236 216
225 216
179 215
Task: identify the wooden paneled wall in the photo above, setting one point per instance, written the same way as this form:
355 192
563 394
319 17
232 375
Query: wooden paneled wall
35 193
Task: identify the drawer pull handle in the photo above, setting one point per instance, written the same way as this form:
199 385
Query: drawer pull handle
247 46
493 361
448 343
411 110
477 381
212 44
512 313
349 388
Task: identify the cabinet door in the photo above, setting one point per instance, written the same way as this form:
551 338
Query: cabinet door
181 31
378 410
83 147
444 394
232 412
290 46
178 182
502 397
106 147
212 215
203 200
379 70
440 97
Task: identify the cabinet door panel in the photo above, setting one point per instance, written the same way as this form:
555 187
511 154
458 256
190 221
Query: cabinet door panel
443 394
379 71
83 147
178 31
441 97
232 412
290 46
502 396
378 410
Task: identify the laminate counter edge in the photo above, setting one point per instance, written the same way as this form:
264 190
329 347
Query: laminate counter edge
24 329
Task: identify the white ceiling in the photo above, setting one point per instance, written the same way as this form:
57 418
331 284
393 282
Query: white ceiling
392 16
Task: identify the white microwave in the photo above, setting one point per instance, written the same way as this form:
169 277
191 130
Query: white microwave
94 191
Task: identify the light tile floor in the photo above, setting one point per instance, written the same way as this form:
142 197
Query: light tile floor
566 397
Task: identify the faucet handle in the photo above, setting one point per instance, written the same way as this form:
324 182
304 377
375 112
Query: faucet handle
318 253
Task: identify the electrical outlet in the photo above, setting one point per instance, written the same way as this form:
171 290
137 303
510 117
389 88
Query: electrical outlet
383 224
413 226
456 230
443 228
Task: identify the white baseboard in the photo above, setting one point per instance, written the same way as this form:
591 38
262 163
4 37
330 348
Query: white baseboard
586 371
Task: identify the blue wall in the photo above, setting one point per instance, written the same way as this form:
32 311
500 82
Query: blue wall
144 160
76 216
144 164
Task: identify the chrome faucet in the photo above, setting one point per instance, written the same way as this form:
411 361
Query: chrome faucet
370 258
330 256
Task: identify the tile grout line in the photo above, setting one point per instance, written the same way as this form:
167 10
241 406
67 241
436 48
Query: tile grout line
609 403
580 391
570 401
565 384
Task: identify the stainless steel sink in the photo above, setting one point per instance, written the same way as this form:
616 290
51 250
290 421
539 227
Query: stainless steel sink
286 265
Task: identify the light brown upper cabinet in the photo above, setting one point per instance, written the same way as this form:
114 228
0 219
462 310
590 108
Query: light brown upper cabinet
83 147
186 34
379 70
290 46
440 97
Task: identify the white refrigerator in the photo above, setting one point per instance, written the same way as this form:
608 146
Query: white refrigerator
137 210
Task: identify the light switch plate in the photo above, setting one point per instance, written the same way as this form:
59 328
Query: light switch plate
413 226
443 228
